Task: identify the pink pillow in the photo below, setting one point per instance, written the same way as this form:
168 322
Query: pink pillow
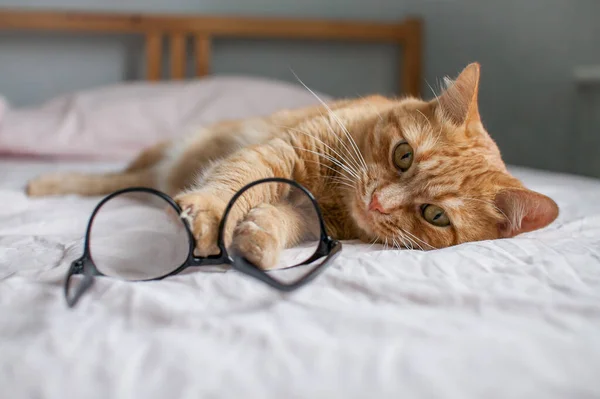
116 122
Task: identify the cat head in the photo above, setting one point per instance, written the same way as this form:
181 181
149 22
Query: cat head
435 178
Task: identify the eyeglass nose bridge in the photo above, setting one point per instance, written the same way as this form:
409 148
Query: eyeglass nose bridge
77 266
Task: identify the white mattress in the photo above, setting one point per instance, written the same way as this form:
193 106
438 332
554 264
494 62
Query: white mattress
516 318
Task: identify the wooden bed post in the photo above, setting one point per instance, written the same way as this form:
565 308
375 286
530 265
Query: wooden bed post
203 54
412 58
153 56
178 55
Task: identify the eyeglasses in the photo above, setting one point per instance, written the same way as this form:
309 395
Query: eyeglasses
141 234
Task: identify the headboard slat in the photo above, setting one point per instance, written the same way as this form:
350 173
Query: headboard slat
407 34
178 55
411 65
154 55
203 55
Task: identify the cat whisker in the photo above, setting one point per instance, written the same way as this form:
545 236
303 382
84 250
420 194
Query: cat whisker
353 144
404 242
413 241
344 184
432 91
417 238
339 179
338 174
331 159
437 98
373 243
337 136
337 119
354 167
329 111
358 167
343 178
408 243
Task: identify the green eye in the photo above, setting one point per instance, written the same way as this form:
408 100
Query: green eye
435 215
403 156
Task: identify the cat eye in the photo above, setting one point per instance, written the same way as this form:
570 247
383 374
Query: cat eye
403 156
435 215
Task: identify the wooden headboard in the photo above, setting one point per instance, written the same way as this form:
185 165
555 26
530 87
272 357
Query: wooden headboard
177 28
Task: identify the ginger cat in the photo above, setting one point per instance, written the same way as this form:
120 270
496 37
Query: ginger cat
425 174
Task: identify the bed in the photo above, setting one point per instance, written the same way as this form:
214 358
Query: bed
515 318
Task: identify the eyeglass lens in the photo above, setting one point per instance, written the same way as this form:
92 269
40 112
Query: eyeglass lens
285 217
138 236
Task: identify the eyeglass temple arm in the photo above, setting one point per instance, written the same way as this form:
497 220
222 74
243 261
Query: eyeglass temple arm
325 247
78 267
246 267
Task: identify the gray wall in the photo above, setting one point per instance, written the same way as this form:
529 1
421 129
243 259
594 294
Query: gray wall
528 50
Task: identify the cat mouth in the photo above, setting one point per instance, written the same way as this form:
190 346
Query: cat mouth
361 215
366 219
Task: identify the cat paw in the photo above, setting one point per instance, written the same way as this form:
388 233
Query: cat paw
254 239
203 212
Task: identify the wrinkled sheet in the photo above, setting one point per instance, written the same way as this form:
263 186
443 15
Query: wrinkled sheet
517 318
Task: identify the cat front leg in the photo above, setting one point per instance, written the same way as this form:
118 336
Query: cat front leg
203 212
267 230
205 203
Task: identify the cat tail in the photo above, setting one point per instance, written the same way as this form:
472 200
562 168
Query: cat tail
89 184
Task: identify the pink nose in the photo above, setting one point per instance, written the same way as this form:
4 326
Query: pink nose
376 206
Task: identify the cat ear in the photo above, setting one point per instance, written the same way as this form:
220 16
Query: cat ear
525 211
458 102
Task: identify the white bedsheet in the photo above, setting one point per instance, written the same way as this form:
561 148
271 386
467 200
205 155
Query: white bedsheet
516 318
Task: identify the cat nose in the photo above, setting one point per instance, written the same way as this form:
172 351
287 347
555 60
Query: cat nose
375 205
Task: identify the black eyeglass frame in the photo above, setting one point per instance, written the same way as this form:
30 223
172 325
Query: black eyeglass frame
328 247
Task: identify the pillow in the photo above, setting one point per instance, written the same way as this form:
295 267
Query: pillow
116 122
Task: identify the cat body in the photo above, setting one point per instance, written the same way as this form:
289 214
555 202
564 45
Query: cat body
400 171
